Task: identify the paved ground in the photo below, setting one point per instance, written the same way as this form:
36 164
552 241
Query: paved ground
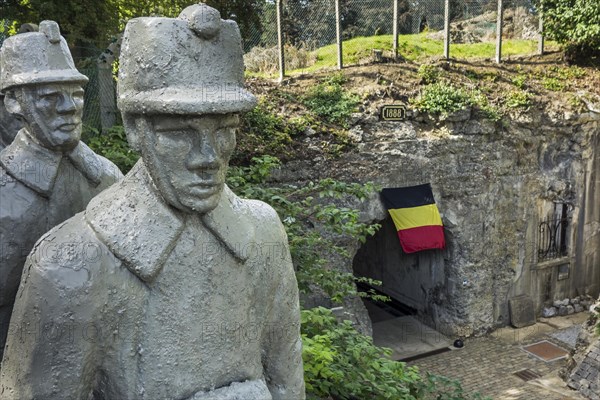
487 365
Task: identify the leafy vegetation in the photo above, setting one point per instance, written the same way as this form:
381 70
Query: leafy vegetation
520 81
518 99
113 145
340 362
442 98
575 23
303 208
553 84
429 73
330 101
264 131
95 22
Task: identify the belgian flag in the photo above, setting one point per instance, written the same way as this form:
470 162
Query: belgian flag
416 217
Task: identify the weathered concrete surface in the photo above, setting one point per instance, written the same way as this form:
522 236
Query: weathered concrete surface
521 311
493 183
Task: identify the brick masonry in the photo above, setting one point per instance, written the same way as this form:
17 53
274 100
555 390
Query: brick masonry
487 365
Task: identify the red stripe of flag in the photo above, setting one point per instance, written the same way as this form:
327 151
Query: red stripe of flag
422 238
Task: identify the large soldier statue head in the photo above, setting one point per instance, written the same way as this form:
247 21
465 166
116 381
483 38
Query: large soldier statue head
180 92
42 87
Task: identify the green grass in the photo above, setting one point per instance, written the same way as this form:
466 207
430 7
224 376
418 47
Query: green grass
414 48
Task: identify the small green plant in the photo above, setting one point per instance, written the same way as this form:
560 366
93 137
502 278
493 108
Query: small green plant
442 98
331 102
490 111
519 81
429 73
517 99
553 84
576 103
571 72
113 145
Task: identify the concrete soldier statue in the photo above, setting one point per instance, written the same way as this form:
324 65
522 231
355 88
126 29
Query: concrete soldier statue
170 287
46 174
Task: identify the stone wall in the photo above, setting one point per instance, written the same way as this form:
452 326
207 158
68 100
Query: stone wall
493 183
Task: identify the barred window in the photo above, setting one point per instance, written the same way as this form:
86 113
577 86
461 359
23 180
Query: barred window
552 234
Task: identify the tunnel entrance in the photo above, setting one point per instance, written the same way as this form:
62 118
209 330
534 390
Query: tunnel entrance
412 281
409 279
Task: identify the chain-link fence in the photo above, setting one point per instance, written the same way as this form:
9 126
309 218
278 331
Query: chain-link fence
100 110
4 27
309 31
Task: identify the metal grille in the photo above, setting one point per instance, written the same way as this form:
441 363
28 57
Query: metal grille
552 236
527 375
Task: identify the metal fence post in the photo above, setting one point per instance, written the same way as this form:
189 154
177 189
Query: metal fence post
396 29
541 32
447 29
499 32
106 85
338 23
280 44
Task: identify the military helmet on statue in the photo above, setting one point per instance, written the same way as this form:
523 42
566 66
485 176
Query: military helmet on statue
37 57
192 64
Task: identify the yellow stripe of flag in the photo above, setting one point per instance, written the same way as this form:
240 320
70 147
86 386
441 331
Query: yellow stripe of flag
413 217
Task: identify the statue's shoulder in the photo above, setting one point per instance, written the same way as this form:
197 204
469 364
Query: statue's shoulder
262 216
109 173
14 192
68 255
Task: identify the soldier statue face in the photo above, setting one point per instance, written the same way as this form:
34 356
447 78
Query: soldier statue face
51 113
187 157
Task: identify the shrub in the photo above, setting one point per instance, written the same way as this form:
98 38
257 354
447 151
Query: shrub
113 145
330 101
575 23
340 362
303 208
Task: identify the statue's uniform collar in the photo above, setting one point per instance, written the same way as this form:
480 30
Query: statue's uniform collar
37 167
132 219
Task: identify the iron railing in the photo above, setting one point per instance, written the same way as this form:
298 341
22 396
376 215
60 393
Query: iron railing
552 238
